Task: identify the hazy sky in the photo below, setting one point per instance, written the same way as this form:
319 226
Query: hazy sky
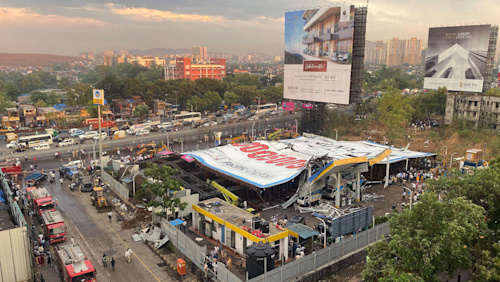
67 27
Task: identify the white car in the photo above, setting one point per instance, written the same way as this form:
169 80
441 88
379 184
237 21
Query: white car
210 123
42 147
89 135
11 145
66 142
143 132
104 135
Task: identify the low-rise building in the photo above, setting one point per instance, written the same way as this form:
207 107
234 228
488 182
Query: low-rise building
184 68
480 110
215 218
162 108
12 118
125 107
27 114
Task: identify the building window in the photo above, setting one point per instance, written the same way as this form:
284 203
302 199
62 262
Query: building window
475 104
474 115
496 106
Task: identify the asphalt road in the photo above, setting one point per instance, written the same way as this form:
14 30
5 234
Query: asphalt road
184 136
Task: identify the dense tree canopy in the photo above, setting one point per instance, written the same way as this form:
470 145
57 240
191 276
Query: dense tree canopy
162 185
395 109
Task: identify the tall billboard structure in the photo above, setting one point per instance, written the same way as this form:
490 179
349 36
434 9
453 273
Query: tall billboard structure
319 54
457 58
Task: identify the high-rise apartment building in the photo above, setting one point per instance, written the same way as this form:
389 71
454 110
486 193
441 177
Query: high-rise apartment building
199 53
395 52
413 51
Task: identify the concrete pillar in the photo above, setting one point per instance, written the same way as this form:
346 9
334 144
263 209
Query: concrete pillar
358 188
387 172
337 191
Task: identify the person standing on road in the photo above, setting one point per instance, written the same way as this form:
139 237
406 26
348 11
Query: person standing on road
104 260
109 216
128 253
61 180
113 263
72 241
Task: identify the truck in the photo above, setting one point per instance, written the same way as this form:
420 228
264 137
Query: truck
86 183
35 178
41 201
53 227
314 198
53 132
93 123
74 265
10 136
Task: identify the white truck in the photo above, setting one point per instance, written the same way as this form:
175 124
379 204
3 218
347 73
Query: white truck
312 200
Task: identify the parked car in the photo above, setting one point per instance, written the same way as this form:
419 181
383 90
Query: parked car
89 135
120 120
210 123
66 142
295 220
77 133
142 132
42 147
155 127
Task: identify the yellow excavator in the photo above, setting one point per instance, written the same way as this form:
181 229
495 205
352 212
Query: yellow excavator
273 135
99 201
286 135
151 149
239 139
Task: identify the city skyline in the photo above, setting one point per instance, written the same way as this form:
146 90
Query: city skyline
67 28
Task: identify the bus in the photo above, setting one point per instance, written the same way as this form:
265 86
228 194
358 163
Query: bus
187 116
263 109
34 140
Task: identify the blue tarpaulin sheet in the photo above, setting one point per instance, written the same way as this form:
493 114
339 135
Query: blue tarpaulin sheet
2 196
176 222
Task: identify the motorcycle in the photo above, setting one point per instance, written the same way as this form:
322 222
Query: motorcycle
72 186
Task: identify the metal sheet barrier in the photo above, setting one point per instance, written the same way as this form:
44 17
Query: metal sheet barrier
115 185
323 257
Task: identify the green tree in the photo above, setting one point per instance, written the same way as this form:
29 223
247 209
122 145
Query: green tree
495 91
231 98
11 90
161 183
432 238
247 94
273 94
141 111
40 103
395 109
151 75
5 102
211 101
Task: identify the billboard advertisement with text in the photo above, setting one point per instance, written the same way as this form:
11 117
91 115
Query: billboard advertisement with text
318 54
456 57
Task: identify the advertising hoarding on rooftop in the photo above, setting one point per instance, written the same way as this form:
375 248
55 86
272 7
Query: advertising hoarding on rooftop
456 57
318 54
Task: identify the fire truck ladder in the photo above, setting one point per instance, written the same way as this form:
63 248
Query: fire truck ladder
73 254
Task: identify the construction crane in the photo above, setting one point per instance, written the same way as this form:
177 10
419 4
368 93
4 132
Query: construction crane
273 135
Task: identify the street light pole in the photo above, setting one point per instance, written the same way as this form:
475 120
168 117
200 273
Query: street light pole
451 162
253 124
336 134
410 196
324 231
133 182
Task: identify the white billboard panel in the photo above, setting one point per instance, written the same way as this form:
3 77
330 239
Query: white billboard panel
318 54
456 57
262 164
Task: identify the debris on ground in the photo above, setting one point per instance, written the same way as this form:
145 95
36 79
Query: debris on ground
372 197
141 217
327 210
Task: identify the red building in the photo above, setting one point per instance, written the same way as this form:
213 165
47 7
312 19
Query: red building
184 68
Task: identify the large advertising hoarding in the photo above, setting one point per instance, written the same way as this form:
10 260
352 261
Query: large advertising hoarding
318 54
262 164
456 57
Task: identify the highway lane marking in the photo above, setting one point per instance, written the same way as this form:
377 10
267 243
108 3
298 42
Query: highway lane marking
123 241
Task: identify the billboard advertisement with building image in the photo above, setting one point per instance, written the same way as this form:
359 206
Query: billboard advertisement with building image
456 57
318 54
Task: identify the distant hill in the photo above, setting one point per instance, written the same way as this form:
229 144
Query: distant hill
35 60
158 51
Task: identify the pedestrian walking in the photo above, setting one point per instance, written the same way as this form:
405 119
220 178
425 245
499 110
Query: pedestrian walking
61 180
404 195
128 253
33 233
113 263
72 241
229 263
184 224
42 260
104 260
109 216
49 259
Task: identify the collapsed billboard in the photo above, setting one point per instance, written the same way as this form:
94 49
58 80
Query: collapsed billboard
318 54
262 164
456 57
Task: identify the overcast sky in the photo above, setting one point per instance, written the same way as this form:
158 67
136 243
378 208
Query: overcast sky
67 27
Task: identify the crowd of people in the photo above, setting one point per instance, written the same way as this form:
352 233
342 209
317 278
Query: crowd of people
211 261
